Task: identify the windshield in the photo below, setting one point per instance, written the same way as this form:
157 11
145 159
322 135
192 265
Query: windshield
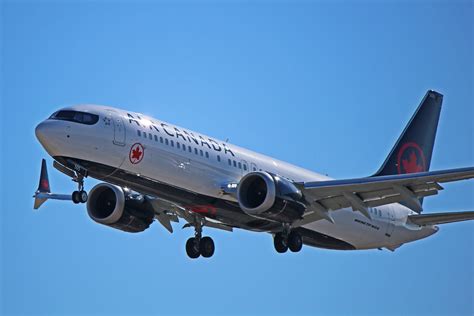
75 116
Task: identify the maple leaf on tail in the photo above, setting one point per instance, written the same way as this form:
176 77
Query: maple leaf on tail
411 165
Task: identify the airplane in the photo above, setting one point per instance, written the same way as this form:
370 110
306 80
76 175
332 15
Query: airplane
156 171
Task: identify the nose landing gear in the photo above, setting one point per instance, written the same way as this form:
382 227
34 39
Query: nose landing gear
79 196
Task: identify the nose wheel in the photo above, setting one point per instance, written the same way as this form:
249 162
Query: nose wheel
79 196
284 241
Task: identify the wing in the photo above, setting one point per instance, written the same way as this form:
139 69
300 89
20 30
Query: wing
167 212
362 193
441 218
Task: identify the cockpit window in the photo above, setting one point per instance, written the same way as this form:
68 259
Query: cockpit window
76 116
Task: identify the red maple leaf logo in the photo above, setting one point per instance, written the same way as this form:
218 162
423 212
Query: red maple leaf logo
44 184
136 153
411 165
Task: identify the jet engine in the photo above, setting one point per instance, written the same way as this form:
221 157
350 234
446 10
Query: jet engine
118 208
264 195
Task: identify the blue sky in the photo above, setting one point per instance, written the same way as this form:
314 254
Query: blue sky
325 86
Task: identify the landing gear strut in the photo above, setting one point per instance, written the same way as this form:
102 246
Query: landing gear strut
79 196
199 246
284 240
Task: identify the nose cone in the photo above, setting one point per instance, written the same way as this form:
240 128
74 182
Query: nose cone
41 132
48 136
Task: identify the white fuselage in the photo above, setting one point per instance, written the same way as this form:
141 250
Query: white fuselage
201 164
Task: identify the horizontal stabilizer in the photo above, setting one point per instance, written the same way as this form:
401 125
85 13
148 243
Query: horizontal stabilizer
43 193
441 218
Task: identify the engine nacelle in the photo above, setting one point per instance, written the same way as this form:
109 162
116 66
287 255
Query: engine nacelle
112 206
268 196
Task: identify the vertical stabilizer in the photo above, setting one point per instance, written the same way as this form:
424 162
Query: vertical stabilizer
413 149
43 186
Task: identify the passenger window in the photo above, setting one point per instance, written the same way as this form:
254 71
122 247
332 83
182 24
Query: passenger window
190 149
172 143
166 141
218 158
149 136
195 151
156 138
207 154
144 134
139 133
200 151
178 145
240 165
184 147
245 167
235 164
161 139
230 162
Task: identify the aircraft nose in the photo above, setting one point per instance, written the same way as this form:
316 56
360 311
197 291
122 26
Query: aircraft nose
41 131
47 134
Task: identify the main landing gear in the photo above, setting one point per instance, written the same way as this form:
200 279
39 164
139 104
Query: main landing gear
79 196
284 240
199 246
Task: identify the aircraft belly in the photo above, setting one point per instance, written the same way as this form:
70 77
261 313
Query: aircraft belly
352 228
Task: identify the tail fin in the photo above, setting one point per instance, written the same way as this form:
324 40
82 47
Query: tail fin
43 186
412 151
43 193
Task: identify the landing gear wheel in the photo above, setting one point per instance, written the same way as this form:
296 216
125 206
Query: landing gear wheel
206 247
280 243
76 199
192 248
295 242
79 197
82 196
